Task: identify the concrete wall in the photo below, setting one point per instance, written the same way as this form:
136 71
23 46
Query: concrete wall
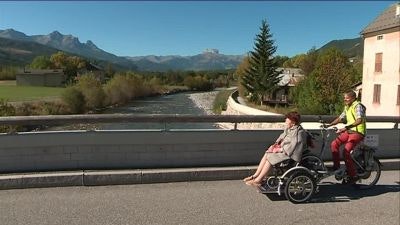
45 79
44 151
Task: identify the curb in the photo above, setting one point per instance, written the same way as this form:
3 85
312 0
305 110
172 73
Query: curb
137 176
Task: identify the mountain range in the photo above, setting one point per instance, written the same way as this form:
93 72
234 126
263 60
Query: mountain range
14 44
17 48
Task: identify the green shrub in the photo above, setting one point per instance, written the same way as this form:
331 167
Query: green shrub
6 110
92 89
7 72
25 109
220 100
198 83
123 88
51 108
74 99
118 90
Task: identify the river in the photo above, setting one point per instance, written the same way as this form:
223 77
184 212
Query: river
179 103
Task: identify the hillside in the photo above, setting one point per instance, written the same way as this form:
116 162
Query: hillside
204 61
20 53
350 47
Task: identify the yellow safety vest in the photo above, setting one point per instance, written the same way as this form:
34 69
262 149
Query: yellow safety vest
351 118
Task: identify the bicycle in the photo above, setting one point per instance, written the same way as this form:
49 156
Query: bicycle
299 181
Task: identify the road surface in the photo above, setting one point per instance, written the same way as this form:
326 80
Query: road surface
199 203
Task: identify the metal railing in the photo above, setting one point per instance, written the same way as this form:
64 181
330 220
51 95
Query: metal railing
170 118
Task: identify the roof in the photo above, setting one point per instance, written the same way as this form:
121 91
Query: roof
386 20
356 84
92 66
290 76
38 71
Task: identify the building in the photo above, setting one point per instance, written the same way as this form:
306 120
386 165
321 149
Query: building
93 69
46 78
289 78
381 64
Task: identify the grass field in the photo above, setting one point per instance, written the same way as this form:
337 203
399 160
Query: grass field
13 93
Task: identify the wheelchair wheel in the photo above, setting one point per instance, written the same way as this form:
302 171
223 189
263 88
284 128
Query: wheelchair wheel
300 187
371 177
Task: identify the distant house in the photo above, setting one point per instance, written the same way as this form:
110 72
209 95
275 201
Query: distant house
91 68
46 78
357 87
381 68
289 78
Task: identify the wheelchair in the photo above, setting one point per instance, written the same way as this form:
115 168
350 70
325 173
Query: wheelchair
297 181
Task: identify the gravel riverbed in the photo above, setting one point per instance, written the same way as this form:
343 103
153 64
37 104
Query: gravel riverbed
204 100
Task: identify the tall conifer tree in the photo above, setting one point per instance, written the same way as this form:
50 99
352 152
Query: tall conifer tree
262 77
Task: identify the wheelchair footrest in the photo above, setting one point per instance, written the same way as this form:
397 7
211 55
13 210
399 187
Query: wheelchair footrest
264 189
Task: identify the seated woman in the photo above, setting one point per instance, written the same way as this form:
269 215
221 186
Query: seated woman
289 145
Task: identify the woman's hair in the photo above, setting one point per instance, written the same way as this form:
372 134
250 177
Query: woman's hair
294 116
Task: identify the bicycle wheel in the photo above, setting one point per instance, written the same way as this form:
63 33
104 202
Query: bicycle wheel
300 187
371 177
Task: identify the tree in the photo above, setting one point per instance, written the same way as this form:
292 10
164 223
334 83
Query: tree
262 77
41 62
240 72
280 60
59 59
69 64
307 64
321 92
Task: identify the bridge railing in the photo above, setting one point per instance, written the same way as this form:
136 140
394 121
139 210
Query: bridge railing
170 118
153 148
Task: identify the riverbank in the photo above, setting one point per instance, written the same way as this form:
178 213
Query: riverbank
204 101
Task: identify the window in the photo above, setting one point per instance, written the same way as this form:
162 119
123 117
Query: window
377 93
379 37
378 62
398 94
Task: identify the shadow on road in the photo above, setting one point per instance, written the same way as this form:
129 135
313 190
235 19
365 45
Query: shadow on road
334 192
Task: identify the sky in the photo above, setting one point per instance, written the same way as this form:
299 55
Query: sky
139 28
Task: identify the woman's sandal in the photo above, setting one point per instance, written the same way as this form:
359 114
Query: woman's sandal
248 178
253 183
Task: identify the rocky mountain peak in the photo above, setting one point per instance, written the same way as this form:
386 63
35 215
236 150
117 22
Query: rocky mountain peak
90 44
55 35
12 34
211 51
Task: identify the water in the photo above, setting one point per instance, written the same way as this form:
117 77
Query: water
168 104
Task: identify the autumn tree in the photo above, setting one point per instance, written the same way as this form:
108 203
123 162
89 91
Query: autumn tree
280 60
262 77
240 72
70 64
307 63
41 62
322 91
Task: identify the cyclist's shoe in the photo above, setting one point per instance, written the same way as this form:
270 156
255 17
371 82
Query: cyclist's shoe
351 180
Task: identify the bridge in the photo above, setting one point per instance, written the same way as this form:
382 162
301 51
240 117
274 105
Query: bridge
85 157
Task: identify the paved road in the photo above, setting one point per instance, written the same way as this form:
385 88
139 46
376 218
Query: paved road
211 202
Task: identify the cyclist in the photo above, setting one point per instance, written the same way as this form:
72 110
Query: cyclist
349 136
